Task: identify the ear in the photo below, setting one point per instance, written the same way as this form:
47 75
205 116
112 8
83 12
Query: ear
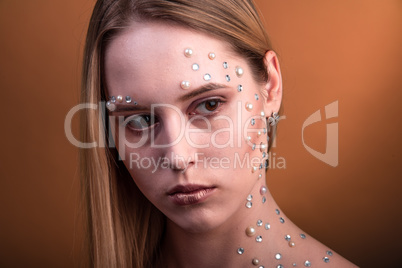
272 91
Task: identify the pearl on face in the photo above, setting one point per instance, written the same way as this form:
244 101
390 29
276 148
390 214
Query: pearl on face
263 190
249 106
185 85
250 231
255 261
292 244
110 106
120 98
188 52
239 71
212 56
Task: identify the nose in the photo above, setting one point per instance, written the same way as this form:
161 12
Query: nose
177 151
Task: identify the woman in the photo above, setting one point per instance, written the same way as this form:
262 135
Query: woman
192 92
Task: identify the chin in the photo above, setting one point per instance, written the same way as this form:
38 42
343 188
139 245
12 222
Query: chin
197 222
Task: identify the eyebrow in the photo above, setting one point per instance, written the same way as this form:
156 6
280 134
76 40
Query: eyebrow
201 90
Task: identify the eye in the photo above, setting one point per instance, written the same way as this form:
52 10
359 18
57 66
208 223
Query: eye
208 106
140 122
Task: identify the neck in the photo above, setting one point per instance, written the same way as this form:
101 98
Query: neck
255 234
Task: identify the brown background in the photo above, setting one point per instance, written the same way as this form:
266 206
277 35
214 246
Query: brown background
335 50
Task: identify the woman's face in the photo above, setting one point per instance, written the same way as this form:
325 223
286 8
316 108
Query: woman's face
187 136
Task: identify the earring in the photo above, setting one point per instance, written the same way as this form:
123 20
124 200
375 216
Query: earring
273 119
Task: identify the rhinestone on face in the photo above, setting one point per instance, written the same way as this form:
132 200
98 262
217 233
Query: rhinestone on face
263 190
185 85
307 263
261 166
248 138
265 131
249 197
264 155
250 231
329 253
294 264
249 204
303 236
128 99
260 176
278 256
195 67
249 107
113 99
255 261
259 223
279 266
260 266
292 244
264 200
267 226
258 239
240 251
225 65
259 133
239 71
254 169
277 211
227 78
256 97
262 114
212 56
282 220
240 88
188 52
253 122
120 98
287 237
253 147
207 77
325 259
110 106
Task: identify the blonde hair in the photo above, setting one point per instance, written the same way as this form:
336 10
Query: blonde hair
123 228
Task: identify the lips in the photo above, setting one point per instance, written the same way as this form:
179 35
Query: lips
183 195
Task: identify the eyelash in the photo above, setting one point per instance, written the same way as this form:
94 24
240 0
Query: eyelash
218 102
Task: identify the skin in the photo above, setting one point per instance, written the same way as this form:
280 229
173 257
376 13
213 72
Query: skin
148 64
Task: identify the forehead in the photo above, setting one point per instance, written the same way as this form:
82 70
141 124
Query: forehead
152 55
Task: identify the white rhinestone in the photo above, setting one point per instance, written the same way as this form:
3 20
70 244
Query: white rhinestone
128 99
256 97
228 78
277 211
249 197
249 204
113 99
258 239
207 77
329 253
325 259
259 223
287 237
253 122
240 88
267 226
253 147
307 263
279 266
225 65
282 220
303 236
264 200
195 67
240 251
278 256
